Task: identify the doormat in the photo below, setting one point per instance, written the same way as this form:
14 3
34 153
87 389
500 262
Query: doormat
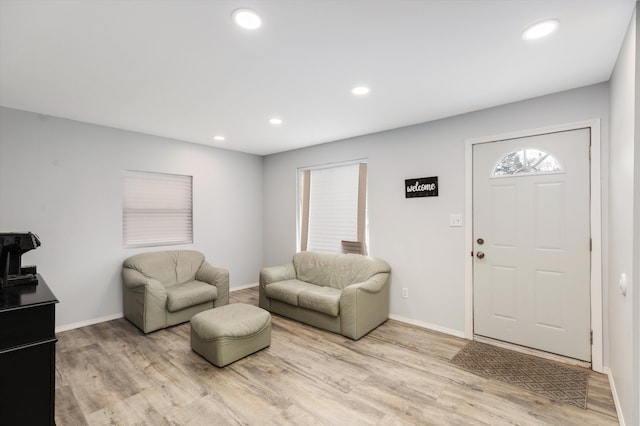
547 378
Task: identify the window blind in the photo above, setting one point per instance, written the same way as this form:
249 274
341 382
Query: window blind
333 207
157 209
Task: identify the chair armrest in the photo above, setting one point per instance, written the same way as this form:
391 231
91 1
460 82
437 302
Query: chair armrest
218 277
272 274
144 300
135 281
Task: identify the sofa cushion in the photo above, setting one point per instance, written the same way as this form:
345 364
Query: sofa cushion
181 296
287 291
321 299
336 270
187 263
169 267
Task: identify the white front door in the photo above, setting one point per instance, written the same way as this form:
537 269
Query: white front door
531 272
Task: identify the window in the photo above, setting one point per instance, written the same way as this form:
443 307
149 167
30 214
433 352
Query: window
156 209
527 161
333 208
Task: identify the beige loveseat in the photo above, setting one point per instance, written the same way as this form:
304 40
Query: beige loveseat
342 293
166 288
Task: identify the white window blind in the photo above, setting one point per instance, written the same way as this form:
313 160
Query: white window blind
333 207
157 209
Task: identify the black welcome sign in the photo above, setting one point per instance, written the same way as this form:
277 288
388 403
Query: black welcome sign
421 187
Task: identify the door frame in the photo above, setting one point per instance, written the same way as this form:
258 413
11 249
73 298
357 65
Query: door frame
595 227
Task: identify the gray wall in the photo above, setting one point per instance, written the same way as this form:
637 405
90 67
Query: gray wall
413 235
624 253
62 180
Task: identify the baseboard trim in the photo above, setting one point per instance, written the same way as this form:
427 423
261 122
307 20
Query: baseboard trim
92 321
243 287
614 394
433 327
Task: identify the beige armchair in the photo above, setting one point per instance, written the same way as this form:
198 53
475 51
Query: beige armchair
165 288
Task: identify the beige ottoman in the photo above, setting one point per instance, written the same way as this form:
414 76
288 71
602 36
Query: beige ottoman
225 334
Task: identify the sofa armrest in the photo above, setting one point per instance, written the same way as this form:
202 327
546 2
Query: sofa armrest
218 277
374 284
364 306
272 274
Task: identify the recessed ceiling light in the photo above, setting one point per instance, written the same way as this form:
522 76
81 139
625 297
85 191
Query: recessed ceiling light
275 121
360 90
219 138
541 29
246 18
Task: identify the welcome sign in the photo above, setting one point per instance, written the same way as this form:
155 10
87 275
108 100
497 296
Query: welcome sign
421 187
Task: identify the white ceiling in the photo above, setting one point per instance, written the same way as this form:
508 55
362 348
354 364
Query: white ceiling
181 69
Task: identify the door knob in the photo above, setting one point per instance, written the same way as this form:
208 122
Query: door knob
480 255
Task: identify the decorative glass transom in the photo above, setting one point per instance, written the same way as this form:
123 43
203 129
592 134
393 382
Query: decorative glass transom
527 161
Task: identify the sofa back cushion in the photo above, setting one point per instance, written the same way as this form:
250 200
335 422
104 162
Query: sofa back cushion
169 267
336 270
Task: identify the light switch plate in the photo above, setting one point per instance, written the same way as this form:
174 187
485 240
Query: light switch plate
455 220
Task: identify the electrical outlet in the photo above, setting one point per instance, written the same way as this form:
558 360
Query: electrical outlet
405 293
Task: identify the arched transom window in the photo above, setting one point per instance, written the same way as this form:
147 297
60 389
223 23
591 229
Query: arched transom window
527 161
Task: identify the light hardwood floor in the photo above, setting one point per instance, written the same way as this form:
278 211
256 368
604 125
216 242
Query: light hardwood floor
112 374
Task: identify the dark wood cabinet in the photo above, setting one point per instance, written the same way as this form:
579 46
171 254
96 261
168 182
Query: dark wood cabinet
27 354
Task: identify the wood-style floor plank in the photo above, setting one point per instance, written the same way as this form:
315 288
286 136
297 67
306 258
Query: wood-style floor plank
399 374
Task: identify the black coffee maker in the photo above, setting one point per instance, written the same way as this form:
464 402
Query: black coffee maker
12 246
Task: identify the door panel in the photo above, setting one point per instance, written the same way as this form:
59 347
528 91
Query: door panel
549 310
532 287
504 201
548 216
503 293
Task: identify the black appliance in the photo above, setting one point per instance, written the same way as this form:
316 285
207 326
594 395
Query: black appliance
12 246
